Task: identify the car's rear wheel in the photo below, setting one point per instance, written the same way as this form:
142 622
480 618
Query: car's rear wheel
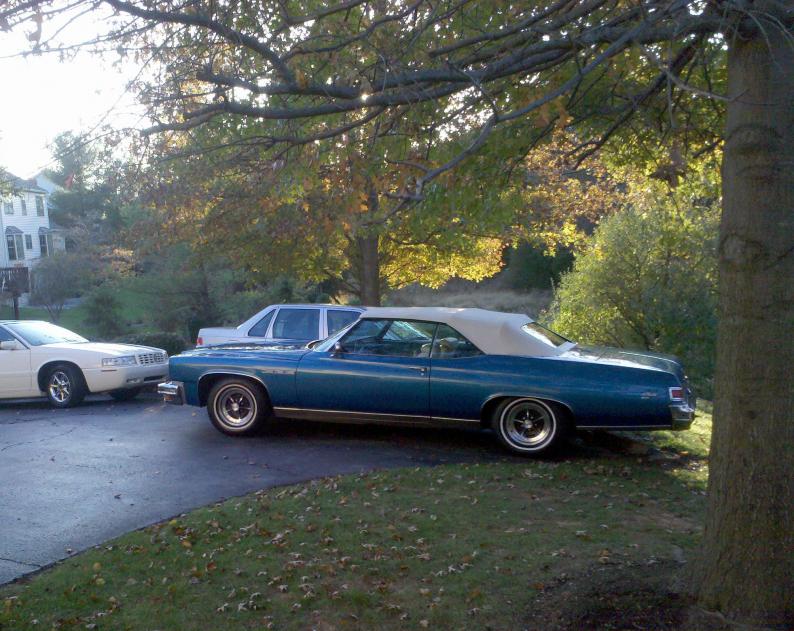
65 386
125 395
529 426
236 406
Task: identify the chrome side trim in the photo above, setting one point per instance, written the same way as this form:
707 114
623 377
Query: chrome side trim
345 416
456 420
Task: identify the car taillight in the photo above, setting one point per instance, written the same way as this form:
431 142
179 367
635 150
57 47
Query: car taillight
199 341
677 394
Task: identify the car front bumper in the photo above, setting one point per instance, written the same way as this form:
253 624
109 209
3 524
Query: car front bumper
124 377
173 392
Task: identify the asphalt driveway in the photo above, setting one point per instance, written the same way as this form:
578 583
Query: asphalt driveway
74 478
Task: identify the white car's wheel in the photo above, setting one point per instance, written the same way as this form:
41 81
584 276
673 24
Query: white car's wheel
64 386
236 406
529 426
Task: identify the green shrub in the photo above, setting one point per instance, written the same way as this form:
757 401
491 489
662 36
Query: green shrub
647 280
104 312
170 342
240 306
529 266
237 307
59 277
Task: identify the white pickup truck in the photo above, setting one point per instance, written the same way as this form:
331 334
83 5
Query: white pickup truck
295 324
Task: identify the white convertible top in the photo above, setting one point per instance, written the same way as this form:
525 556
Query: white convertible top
493 332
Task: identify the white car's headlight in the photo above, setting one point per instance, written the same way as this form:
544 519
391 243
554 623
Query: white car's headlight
127 360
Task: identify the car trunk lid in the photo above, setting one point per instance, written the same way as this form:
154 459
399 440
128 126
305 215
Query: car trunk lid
629 358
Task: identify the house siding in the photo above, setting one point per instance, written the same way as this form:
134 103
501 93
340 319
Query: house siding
28 223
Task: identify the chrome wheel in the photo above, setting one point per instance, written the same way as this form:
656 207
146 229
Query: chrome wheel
528 424
235 406
59 387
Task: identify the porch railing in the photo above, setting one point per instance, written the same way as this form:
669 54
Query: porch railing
14 280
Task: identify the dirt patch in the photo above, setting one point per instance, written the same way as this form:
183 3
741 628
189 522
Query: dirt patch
669 521
619 598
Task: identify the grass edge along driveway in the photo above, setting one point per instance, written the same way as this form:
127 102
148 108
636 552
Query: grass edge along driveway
452 546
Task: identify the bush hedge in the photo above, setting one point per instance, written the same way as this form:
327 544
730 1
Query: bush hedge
170 342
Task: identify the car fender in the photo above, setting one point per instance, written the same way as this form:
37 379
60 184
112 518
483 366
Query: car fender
231 373
491 401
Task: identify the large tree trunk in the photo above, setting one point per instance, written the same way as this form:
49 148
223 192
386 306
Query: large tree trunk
368 246
747 566
369 270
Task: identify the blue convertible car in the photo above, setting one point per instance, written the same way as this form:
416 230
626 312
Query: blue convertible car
438 367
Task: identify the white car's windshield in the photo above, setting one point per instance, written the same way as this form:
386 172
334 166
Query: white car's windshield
40 333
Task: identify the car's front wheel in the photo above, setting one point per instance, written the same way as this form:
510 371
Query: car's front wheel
236 406
65 386
529 426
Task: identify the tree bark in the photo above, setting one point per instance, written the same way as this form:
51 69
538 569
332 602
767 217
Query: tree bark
368 252
746 571
369 266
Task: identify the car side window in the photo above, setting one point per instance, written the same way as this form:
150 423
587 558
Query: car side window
390 338
260 328
296 324
339 319
449 344
5 336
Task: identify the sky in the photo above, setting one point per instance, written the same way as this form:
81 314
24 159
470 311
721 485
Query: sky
41 96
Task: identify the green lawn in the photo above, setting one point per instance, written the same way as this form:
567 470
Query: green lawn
455 546
136 305
70 318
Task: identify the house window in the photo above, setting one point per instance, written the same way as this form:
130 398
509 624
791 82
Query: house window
39 205
15 250
28 242
24 205
8 207
45 243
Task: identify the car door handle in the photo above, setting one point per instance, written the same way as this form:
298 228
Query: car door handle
420 369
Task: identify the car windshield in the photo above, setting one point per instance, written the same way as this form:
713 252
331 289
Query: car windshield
323 346
40 333
541 333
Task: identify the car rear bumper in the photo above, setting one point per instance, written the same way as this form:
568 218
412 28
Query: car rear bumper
173 392
682 416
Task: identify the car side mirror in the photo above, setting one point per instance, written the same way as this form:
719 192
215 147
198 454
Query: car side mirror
11 345
337 349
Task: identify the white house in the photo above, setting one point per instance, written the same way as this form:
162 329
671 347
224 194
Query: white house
25 224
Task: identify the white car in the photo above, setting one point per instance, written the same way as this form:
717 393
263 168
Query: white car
38 358
288 324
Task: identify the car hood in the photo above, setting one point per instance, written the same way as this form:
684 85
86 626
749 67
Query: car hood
102 348
628 358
